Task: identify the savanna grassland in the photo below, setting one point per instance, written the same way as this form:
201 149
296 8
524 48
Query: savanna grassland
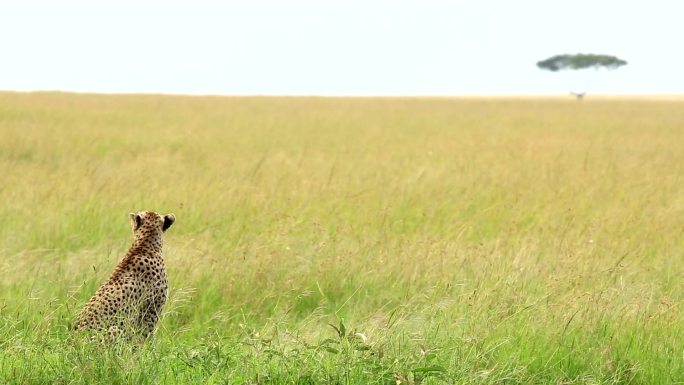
350 241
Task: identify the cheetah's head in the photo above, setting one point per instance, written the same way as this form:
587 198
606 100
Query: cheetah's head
151 220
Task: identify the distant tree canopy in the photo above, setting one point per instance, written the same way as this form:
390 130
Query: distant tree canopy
580 61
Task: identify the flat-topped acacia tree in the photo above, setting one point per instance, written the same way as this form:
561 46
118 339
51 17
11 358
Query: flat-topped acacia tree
580 61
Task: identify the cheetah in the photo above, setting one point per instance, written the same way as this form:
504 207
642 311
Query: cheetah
129 303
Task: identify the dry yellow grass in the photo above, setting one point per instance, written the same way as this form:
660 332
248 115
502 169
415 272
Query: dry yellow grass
535 239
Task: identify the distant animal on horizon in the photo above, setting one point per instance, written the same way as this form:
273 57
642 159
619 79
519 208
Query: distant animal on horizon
579 95
130 302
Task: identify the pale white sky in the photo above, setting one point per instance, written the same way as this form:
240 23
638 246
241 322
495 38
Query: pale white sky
348 47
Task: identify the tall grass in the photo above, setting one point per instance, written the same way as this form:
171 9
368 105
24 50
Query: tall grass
324 240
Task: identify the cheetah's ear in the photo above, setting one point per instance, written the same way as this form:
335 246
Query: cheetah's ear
168 221
136 221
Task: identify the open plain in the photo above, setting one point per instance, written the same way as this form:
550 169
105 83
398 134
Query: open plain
350 240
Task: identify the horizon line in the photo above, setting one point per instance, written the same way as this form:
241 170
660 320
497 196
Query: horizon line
334 95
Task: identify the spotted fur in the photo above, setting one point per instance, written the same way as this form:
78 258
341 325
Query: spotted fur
131 300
